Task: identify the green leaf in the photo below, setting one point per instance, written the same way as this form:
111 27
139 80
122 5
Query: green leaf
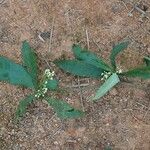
143 72
52 84
22 107
14 73
89 57
107 148
64 110
79 68
115 51
107 85
147 60
30 61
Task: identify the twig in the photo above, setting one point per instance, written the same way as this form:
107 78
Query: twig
81 94
53 134
56 132
76 86
87 38
135 6
139 10
132 115
51 35
146 112
124 5
96 44
39 36
47 63
51 118
130 12
143 106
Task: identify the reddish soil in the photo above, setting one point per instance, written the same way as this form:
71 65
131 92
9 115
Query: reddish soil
121 119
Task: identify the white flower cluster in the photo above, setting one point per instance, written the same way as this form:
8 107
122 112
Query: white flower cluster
119 71
41 92
105 75
48 76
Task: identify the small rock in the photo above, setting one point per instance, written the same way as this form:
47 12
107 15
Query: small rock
113 92
56 143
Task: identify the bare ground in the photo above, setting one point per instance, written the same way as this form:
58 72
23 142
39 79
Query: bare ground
121 120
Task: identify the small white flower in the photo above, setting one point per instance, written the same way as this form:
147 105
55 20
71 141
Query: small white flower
48 74
47 71
52 73
37 95
119 71
45 82
44 90
105 76
51 78
102 79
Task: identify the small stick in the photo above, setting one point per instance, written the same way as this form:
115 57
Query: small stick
141 105
81 94
52 118
53 134
51 35
140 10
146 112
87 38
96 44
130 12
135 6
76 86
47 63
125 5
41 38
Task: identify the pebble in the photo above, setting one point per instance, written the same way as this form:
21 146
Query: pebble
56 143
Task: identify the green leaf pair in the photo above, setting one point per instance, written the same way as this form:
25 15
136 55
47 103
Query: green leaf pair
27 75
85 64
88 64
62 108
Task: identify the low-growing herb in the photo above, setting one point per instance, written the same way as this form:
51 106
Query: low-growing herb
27 75
88 64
